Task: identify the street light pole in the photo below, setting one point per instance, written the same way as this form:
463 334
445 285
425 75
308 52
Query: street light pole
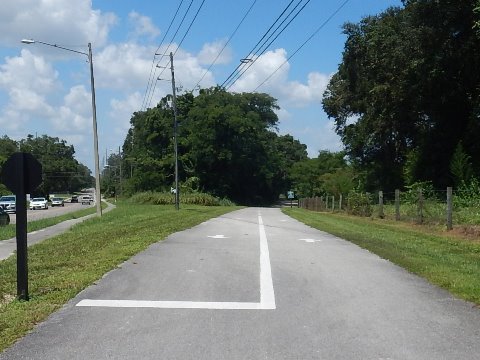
94 111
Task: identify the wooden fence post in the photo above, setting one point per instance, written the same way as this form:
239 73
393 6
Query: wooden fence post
333 203
380 205
340 202
449 208
397 205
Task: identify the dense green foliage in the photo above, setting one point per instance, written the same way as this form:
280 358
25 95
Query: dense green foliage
227 144
155 198
61 171
329 173
406 97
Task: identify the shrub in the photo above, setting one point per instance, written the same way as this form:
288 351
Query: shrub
193 198
411 195
468 194
359 204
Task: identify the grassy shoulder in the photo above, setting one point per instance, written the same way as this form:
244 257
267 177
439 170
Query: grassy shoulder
444 260
8 232
60 267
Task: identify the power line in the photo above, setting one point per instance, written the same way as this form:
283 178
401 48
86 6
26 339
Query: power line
226 43
305 42
168 47
189 27
253 50
184 36
150 77
265 47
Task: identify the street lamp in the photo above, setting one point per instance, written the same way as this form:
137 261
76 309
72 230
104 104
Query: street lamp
94 112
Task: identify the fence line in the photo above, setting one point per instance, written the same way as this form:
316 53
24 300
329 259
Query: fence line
421 207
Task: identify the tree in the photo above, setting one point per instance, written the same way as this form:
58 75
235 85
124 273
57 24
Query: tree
460 166
290 151
61 171
328 173
232 145
227 144
407 91
7 148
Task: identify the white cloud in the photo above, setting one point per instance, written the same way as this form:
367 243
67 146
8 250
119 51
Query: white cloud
32 87
273 66
27 71
298 94
27 79
69 22
123 66
188 71
210 51
122 110
264 66
78 100
142 26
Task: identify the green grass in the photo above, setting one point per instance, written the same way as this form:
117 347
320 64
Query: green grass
60 267
449 262
8 232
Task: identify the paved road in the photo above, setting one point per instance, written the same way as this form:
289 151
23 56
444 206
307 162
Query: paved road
7 247
50 212
250 286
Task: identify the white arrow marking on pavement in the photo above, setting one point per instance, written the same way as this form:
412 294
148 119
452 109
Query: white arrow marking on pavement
218 237
310 240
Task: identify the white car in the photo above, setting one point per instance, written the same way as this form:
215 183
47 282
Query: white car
86 199
57 202
38 203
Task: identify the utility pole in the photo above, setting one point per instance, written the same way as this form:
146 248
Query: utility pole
98 198
120 165
175 144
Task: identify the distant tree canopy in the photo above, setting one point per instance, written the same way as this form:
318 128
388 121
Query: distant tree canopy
407 93
328 173
227 146
61 171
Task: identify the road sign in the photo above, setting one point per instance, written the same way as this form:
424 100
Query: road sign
290 195
22 174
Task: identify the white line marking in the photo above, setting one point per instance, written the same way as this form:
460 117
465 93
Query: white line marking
218 237
172 304
267 294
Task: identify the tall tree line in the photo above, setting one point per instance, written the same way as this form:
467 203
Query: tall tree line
228 146
61 171
406 97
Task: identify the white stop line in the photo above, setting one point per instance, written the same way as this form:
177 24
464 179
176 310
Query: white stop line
267 294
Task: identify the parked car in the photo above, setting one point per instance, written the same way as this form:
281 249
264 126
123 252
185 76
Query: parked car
4 217
56 201
38 203
7 203
74 199
86 199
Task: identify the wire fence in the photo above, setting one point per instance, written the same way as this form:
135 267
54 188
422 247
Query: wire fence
420 206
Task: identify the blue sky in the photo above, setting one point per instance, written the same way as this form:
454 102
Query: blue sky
47 91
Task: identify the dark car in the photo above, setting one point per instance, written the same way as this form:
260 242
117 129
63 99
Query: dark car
4 217
74 199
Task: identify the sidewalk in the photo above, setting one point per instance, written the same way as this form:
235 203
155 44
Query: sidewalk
7 247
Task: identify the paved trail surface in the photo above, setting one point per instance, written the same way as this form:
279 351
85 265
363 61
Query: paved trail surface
256 284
